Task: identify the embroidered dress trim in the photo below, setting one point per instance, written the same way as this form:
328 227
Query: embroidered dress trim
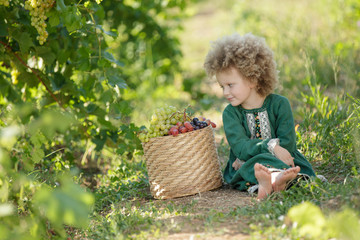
264 124
251 124
257 126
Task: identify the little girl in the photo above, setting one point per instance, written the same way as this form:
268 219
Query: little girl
258 124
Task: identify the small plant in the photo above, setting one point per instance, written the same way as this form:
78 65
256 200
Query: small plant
327 135
308 220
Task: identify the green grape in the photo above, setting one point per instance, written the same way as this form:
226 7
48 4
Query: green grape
142 137
14 76
168 111
38 10
154 118
161 121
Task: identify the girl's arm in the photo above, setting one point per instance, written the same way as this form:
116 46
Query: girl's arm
284 125
284 155
241 145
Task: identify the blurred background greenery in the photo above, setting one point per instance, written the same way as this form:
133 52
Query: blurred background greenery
316 43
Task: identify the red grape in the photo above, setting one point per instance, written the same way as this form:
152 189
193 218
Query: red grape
183 129
188 126
174 131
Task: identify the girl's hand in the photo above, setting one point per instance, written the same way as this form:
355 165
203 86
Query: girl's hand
237 164
284 155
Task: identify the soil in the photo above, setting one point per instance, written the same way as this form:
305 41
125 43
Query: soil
195 225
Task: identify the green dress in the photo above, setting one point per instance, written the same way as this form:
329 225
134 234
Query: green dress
251 135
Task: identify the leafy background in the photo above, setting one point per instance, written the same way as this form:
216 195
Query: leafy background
71 164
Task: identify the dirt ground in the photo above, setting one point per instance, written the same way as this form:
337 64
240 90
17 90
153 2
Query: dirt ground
196 225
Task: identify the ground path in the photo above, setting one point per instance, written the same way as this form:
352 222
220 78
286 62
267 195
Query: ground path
201 221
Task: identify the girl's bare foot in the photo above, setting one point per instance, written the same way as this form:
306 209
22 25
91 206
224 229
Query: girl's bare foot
284 177
263 175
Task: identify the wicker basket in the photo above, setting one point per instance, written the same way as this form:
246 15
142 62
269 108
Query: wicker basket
183 165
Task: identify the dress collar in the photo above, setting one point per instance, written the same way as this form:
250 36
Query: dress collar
262 108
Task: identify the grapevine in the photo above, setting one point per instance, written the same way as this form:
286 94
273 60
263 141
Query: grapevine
38 10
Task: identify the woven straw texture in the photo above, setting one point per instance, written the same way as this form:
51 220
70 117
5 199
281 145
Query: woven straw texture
183 165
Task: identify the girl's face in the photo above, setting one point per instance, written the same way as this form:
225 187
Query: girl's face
236 88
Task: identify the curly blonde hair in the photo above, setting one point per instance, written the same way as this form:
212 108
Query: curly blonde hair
250 55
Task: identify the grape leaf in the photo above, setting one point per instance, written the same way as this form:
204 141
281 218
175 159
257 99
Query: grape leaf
3 28
113 78
72 18
113 33
47 54
108 56
100 140
24 39
69 204
60 5
54 19
57 82
91 108
37 155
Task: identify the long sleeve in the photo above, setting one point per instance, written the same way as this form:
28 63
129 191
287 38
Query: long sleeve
284 125
241 145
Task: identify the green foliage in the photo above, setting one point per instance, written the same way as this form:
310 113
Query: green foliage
65 204
67 100
126 181
282 215
28 199
334 57
310 221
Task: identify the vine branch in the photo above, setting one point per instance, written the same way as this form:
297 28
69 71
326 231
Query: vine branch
34 72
